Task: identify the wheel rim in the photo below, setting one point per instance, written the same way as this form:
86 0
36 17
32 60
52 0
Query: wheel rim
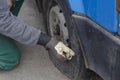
57 23
58 29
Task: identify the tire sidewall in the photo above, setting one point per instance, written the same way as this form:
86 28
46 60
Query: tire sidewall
71 30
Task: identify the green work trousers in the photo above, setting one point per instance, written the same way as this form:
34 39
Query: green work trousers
9 52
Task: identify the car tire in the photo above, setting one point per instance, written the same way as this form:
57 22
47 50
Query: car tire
74 69
39 5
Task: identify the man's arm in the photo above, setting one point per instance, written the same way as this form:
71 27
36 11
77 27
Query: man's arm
16 29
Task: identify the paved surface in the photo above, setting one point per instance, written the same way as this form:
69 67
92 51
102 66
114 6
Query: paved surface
35 63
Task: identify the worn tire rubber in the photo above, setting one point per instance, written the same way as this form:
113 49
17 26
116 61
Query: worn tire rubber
39 5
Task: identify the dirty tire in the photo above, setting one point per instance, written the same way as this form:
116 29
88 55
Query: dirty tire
39 5
74 69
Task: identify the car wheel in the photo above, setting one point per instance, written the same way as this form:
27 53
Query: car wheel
60 25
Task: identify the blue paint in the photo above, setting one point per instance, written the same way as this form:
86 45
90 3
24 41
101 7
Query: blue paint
119 24
102 12
77 5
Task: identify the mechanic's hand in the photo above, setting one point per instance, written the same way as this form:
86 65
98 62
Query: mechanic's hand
9 3
60 50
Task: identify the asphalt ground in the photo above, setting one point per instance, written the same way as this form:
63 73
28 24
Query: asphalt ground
35 63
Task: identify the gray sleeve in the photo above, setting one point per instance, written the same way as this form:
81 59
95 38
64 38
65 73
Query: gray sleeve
15 28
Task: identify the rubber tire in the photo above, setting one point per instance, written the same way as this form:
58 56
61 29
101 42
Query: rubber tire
80 73
39 5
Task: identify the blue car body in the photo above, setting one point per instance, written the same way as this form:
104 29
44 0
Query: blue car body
97 23
102 12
